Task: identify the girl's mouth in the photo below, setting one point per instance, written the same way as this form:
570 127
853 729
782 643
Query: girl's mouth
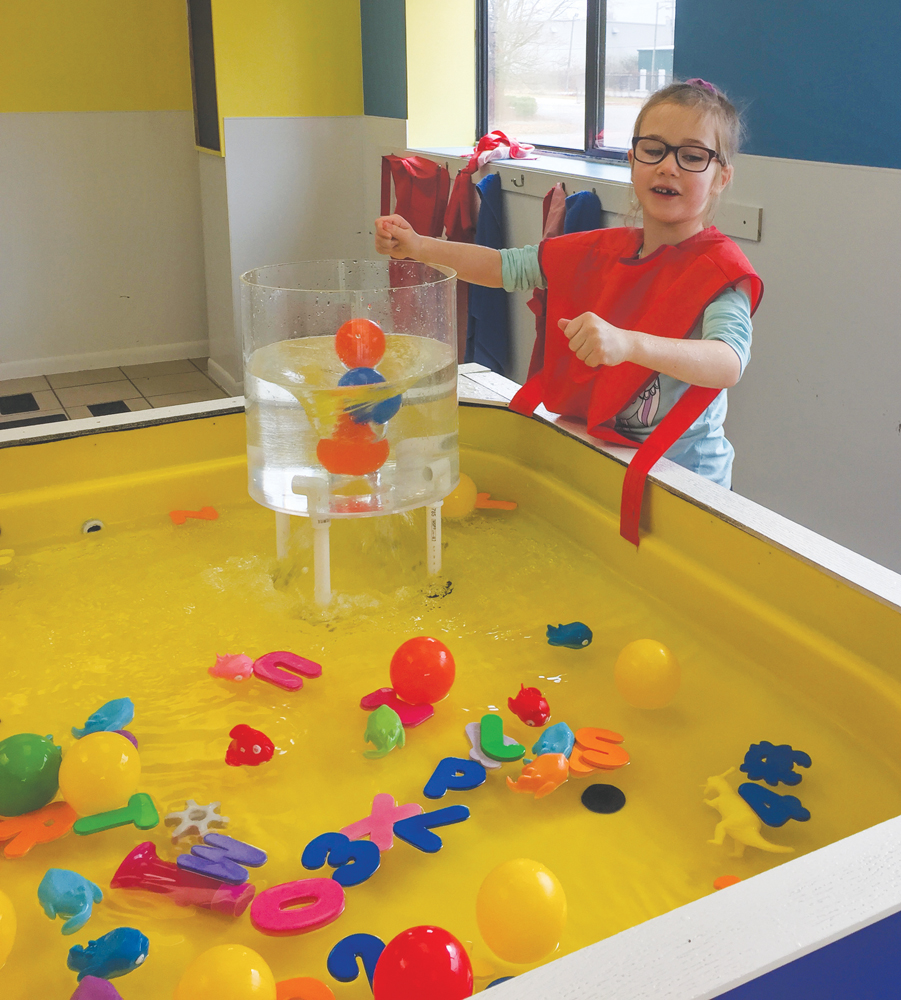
666 192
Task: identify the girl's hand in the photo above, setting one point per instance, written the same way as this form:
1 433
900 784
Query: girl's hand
395 237
597 342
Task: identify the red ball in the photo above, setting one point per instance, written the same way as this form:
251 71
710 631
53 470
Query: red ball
360 343
423 963
422 671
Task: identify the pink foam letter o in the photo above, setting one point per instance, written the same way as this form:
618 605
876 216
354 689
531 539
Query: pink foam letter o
272 911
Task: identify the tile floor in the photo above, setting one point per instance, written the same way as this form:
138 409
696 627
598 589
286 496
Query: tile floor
43 399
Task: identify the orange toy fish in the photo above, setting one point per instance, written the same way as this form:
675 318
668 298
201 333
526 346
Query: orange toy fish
543 775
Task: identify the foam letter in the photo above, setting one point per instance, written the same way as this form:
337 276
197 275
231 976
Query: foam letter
221 857
379 824
140 810
271 912
267 669
342 959
417 831
355 860
493 743
455 774
772 808
39 827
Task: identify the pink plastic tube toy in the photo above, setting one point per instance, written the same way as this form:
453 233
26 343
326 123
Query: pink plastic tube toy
143 869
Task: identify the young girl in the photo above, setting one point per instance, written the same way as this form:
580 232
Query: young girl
638 320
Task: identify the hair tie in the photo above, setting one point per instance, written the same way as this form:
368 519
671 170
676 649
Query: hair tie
696 81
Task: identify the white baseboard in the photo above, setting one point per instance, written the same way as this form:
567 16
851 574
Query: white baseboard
105 359
222 378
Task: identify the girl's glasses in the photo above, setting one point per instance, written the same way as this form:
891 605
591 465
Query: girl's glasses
692 158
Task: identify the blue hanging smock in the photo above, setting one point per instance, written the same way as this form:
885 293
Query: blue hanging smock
488 329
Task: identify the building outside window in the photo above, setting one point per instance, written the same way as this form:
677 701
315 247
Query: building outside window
570 75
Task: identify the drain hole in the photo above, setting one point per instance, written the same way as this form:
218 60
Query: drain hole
89 527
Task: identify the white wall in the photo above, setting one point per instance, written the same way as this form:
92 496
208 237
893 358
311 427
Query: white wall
101 256
816 420
297 189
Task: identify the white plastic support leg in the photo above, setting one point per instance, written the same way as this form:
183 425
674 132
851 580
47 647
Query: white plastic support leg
433 538
316 492
322 565
282 533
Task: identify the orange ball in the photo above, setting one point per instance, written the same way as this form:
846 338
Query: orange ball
360 343
422 671
353 449
351 458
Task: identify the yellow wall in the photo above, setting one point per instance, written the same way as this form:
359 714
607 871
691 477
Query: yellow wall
441 73
94 55
283 58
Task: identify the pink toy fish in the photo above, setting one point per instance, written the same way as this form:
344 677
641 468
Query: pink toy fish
248 746
233 667
542 776
530 706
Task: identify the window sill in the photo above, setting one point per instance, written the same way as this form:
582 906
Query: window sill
609 181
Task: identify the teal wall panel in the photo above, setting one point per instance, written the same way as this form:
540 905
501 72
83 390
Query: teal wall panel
384 37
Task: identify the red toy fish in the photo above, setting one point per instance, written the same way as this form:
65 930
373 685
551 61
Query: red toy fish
248 746
530 706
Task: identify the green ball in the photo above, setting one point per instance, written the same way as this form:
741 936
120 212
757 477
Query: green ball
29 773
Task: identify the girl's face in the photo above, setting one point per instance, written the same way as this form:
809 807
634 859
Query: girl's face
669 196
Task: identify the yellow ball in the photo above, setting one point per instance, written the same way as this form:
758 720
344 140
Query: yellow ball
462 500
227 972
99 773
521 911
7 927
647 674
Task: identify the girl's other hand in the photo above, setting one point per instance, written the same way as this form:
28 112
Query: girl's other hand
595 341
395 237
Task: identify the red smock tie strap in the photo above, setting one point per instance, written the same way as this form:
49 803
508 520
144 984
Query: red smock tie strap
689 407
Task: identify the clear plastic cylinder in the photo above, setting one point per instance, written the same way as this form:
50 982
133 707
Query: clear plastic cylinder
350 383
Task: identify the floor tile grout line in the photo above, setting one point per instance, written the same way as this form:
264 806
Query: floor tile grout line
137 390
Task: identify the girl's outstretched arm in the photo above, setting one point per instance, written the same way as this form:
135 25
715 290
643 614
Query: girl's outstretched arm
479 265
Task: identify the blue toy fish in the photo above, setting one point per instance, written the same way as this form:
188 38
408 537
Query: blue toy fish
112 716
558 738
573 636
67 894
114 954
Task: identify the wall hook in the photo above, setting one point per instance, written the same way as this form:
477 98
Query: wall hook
522 181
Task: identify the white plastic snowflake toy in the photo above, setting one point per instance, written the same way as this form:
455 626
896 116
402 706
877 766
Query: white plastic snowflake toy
195 820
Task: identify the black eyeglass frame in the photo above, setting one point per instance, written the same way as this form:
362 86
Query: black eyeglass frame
712 154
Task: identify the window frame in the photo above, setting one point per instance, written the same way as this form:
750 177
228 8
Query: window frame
595 58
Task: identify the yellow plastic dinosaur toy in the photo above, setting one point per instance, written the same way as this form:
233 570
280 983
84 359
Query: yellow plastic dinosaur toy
738 819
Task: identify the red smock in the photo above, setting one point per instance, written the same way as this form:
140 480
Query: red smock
664 294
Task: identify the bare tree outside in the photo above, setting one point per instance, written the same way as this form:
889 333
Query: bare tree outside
536 67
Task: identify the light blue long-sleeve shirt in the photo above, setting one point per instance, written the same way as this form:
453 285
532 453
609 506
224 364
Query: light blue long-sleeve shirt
703 448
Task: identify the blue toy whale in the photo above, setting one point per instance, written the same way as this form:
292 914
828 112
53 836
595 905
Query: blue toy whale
573 636
108 718
67 894
114 954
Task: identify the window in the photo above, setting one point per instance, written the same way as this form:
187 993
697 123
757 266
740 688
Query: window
570 75
203 74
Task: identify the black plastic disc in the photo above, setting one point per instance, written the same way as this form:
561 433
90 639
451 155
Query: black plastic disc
603 798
